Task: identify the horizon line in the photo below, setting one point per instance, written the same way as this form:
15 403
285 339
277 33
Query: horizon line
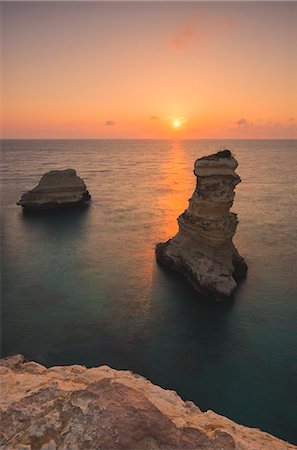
149 139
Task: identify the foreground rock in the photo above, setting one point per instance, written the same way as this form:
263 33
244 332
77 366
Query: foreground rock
203 250
56 189
71 407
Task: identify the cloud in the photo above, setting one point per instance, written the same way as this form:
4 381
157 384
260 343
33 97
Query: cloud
267 126
197 28
154 118
242 123
110 123
185 33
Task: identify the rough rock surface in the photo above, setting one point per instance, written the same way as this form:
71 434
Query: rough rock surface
74 408
56 189
203 250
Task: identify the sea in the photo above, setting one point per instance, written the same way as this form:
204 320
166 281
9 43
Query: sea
84 287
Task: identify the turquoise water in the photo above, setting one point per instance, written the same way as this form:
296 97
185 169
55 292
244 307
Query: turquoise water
84 287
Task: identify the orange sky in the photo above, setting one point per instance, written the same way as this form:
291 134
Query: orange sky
128 70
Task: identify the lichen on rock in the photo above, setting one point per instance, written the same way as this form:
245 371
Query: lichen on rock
56 189
203 250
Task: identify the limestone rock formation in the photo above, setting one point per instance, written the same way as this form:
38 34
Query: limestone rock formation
56 189
71 407
203 250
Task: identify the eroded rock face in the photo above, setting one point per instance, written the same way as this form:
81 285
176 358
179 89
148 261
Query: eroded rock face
71 407
203 250
56 189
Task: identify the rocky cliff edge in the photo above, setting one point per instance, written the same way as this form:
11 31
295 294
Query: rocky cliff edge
72 407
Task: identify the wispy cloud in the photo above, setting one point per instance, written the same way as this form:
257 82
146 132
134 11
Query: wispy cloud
197 28
268 126
154 118
185 33
110 123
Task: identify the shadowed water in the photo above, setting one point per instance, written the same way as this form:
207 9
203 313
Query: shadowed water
83 286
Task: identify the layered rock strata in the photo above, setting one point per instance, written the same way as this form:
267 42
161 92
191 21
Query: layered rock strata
203 250
71 407
56 189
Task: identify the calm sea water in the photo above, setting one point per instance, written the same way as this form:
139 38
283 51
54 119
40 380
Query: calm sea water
83 287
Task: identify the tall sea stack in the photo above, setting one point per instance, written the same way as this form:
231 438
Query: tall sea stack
203 250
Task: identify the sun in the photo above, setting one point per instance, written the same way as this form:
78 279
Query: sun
176 123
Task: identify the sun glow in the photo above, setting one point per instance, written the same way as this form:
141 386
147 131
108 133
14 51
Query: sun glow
178 122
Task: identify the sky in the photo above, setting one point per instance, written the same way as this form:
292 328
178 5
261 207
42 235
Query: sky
190 70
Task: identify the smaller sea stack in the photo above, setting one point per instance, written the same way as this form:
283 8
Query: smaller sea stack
56 189
203 250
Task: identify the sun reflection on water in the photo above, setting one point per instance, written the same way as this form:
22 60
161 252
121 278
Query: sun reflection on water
178 184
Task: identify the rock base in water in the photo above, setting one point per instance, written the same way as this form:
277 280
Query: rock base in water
71 407
203 250
56 189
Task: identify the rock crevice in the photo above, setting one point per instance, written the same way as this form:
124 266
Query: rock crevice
203 250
